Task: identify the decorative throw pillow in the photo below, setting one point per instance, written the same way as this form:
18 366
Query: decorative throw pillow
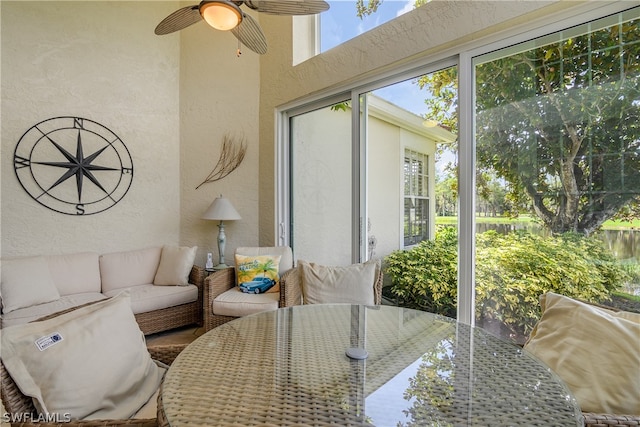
175 265
351 284
90 363
593 350
26 282
261 271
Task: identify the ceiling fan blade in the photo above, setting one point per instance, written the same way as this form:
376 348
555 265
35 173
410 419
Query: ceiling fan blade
250 34
288 7
178 20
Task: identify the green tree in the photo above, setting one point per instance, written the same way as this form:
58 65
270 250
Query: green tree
560 124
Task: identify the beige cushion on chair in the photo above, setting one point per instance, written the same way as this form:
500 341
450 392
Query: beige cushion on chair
236 303
351 284
594 350
90 363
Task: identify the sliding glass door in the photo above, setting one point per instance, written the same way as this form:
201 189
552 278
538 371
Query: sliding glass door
321 185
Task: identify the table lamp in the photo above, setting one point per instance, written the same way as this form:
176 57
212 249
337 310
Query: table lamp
221 210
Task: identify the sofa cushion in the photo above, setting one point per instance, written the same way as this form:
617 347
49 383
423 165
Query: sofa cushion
250 268
175 265
145 298
29 314
91 363
75 273
120 270
236 303
26 282
593 350
351 284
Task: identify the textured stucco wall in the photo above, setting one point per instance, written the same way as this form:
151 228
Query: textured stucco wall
169 98
100 61
424 32
218 96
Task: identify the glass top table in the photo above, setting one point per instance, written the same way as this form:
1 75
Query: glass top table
290 367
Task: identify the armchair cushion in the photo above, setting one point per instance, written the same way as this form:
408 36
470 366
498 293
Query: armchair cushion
594 350
248 268
26 282
351 284
90 363
235 303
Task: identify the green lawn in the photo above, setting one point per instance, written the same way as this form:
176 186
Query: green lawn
608 225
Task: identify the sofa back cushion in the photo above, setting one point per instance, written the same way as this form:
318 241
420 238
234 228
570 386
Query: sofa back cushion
75 273
25 282
120 270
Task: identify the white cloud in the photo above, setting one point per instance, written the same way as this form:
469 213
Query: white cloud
408 7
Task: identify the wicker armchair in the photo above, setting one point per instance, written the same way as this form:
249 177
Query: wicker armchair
224 281
14 402
291 288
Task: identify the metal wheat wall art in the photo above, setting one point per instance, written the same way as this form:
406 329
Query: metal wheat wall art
231 155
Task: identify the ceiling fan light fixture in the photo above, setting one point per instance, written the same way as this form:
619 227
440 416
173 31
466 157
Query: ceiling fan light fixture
221 15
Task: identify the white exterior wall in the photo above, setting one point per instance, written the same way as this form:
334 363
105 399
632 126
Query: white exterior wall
322 180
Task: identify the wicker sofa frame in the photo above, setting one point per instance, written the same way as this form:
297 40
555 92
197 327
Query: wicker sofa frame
14 402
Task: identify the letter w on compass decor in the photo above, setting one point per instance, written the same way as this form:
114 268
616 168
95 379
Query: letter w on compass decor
72 165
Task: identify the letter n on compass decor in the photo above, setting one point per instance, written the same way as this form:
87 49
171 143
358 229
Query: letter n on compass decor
72 165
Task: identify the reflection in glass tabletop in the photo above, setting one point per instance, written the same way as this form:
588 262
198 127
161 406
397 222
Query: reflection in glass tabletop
290 367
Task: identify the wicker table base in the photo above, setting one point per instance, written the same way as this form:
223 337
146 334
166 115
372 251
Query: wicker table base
288 367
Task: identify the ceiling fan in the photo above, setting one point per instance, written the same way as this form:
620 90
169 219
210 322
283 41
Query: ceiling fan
226 15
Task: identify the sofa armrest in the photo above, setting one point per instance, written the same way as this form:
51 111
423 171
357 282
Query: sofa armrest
196 277
291 288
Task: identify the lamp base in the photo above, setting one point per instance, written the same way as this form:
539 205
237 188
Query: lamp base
221 266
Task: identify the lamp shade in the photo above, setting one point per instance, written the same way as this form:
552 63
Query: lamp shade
221 209
221 15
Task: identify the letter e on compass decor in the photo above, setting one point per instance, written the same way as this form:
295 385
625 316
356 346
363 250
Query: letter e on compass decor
72 165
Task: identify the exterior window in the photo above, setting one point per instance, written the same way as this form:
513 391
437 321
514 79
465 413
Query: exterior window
559 128
416 197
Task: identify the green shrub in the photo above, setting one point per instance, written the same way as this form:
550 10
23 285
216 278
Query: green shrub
425 277
512 271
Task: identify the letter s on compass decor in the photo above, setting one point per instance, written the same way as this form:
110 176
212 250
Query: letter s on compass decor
72 165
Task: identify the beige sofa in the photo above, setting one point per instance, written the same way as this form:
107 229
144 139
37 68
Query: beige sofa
165 286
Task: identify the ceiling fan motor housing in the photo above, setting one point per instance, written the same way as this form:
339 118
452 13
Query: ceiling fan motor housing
220 14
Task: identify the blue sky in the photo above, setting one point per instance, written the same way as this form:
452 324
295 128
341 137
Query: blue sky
340 23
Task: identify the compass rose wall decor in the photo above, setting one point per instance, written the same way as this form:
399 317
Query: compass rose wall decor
73 165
